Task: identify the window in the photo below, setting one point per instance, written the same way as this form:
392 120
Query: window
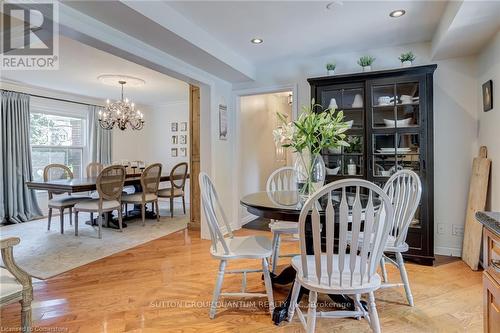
57 139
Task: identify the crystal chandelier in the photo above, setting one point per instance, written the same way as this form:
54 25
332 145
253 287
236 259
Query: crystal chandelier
121 114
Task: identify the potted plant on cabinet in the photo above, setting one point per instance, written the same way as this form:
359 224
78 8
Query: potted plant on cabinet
366 62
330 67
407 59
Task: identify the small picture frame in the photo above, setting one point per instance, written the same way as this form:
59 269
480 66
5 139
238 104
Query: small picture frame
175 139
174 127
173 152
223 126
183 152
487 95
182 139
184 126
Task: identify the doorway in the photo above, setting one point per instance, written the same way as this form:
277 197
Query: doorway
258 154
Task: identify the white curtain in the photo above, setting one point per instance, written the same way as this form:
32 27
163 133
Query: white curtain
100 139
17 202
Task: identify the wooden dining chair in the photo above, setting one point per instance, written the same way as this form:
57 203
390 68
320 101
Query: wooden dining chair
15 283
335 268
231 247
109 186
178 177
405 189
150 179
60 200
282 179
94 169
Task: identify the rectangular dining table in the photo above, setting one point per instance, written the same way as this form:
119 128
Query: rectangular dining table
85 184
76 185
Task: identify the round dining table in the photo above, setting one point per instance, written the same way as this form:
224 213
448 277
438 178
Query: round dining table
286 206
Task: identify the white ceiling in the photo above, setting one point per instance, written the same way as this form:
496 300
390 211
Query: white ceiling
80 65
307 28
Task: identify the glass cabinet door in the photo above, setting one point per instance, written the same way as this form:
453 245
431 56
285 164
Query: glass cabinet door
393 152
395 105
350 99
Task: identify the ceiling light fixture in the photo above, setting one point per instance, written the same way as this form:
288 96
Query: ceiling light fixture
333 4
397 13
257 40
121 114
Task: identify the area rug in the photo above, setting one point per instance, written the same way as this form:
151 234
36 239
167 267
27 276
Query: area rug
45 254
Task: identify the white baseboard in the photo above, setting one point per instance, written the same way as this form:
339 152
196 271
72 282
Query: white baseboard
247 219
448 251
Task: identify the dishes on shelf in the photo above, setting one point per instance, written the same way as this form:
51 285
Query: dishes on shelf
399 123
389 151
407 99
385 100
334 171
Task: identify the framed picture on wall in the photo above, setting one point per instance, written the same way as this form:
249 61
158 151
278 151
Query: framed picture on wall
184 126
488 95
174 139
173 152
182 139
183 152
223 122
174 127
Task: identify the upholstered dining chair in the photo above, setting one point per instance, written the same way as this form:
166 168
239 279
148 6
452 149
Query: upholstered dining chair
58 200
150 179
15 284
335 269
231 247
178 177
109 185
93 169
282 179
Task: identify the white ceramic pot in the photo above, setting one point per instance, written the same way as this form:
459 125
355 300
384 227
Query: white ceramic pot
331 72
367 68
406 63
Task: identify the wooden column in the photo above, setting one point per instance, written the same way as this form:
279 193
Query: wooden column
194 157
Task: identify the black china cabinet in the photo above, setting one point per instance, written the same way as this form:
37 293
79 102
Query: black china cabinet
391 128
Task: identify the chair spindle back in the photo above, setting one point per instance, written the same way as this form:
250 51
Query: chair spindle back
404 189
351 268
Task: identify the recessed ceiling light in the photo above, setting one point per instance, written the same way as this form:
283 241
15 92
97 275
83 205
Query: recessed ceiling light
397 13
257 40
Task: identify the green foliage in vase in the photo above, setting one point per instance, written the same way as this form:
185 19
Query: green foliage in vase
330 66
366 61
408 56
315 130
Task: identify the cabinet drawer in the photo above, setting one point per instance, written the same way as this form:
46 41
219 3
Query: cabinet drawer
491 304
491 252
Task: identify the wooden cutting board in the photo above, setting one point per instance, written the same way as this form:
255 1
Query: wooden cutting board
478 190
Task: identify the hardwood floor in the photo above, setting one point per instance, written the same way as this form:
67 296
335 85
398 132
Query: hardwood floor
166 286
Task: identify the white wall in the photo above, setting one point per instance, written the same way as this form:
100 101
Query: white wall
129 144
489 69
257 156
158 143
455 119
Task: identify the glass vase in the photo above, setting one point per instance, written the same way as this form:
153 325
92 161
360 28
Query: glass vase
311 173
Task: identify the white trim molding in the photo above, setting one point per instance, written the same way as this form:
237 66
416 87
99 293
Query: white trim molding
448 251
